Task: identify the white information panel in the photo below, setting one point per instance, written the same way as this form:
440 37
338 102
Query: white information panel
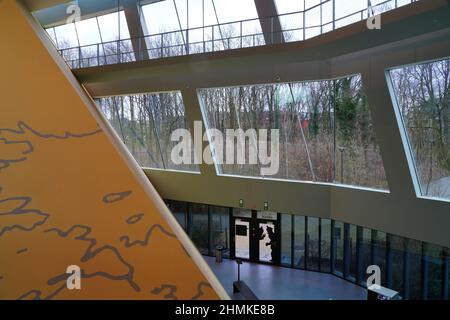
267 215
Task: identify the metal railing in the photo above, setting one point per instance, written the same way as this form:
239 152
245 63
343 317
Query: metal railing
295 26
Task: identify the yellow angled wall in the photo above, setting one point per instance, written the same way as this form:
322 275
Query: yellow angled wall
69 196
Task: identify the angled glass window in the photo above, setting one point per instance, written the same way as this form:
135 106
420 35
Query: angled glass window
88 32
88 36
115 44
291 19
165 28
226 10
104 28
230 29
289 6
222 27
422 93
161 17
347 13
66 36
380 6
94 41
52 35
313 19
324 131
304 19
145 123
113 26
357 154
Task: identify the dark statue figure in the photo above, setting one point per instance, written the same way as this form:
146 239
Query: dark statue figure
272 241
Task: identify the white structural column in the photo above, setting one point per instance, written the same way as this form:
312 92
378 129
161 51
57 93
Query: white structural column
136 27
192 104
270 22
390 136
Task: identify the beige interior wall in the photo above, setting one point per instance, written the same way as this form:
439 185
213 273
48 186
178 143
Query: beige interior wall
71 194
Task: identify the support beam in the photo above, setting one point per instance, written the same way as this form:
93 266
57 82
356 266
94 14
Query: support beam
136 27
398 163
270 22
193 109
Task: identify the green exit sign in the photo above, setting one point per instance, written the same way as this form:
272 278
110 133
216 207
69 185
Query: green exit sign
266 206
241 203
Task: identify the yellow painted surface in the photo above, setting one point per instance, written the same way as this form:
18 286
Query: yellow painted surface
66 195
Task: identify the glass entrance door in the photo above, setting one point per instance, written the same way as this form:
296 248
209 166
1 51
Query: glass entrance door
242 239
256 236
267 239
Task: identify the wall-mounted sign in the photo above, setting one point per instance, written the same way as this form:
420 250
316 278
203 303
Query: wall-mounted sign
241 203
242 213
267 215
266 206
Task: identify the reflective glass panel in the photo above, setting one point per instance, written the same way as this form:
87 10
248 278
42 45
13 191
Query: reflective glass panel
145 124
338 244
199 226
299 242
286 240
379 253
313 259
325 245
314 131
179 210
220 229
422 93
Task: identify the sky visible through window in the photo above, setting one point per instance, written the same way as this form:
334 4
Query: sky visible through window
176 15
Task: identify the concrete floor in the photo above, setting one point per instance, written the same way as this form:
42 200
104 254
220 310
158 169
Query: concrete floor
278 283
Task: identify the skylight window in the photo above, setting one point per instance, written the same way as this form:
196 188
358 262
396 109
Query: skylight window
289 6
161 17
105 28
88 32
66 36
113 26
235 10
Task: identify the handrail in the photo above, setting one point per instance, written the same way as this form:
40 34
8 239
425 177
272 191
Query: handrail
165 48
